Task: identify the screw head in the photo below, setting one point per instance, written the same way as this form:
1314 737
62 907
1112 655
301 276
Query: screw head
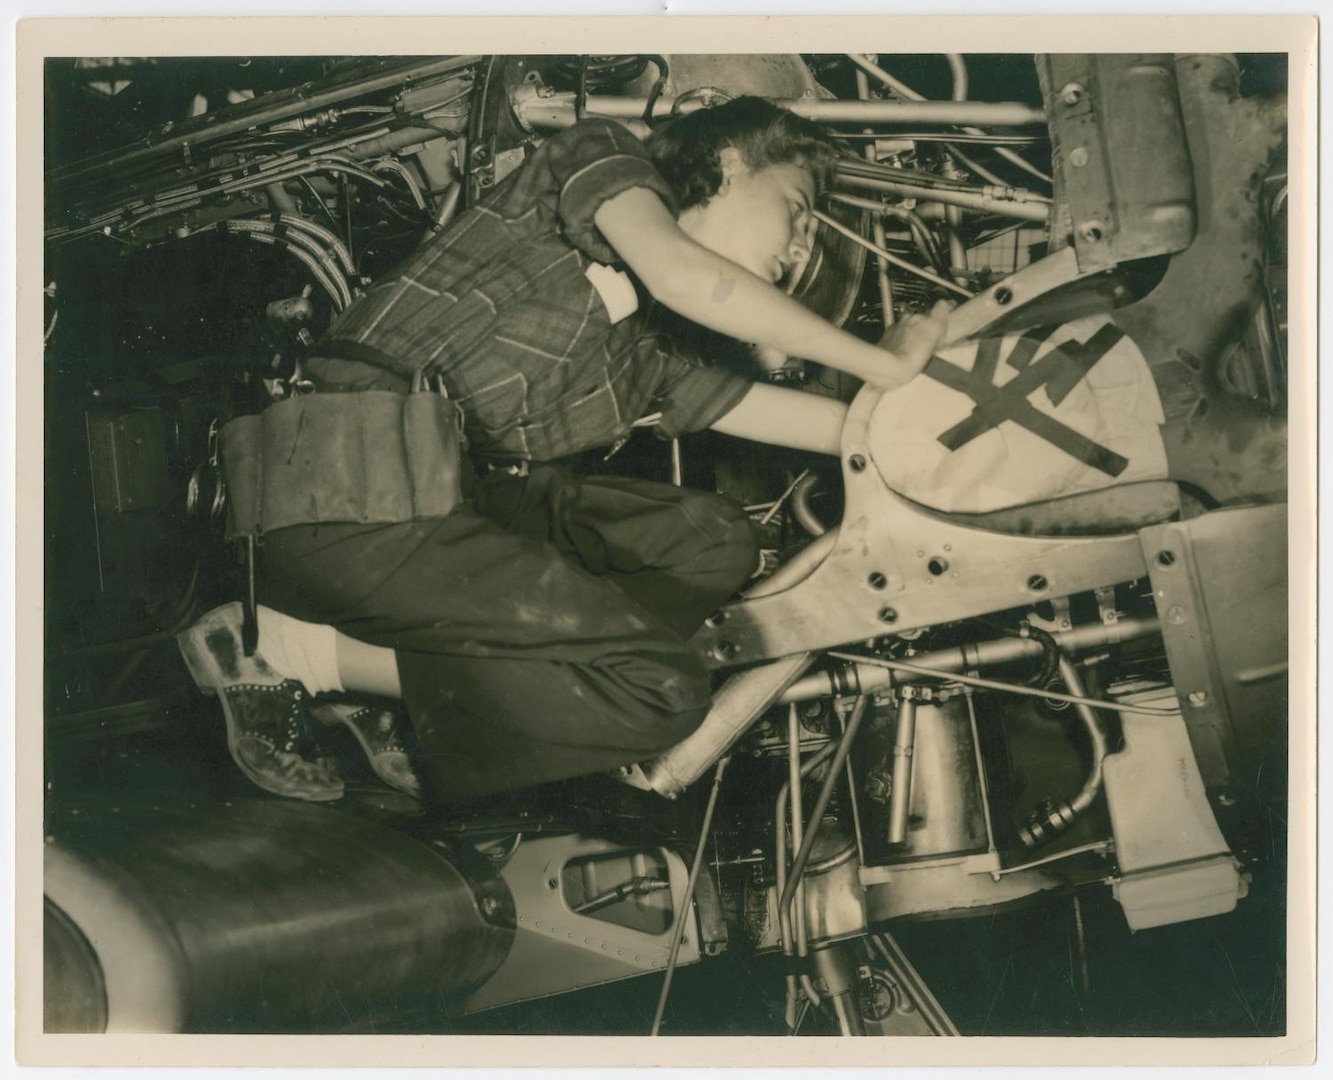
1092 232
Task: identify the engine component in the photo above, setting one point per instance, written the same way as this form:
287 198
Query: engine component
900 778
938 808
1107 115
266 916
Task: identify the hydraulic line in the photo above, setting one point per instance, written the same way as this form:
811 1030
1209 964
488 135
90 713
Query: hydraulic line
320 262
189 198
865 65
1008 688
679 934
283 229
780 863
975 199
955 63
796 569
334 286
920 231
877 226
918 178
327 235
1047 823
944 136
882 273
800 504
953 216
557 111
864 677
261 232
268 109
888 256
797 835
798 865
397 168
781 499
958 68
233 179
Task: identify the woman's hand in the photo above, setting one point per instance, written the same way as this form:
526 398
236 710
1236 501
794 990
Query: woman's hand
913 341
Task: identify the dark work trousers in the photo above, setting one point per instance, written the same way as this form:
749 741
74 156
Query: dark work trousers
539 628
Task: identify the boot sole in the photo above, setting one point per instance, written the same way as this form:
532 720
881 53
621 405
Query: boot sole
371 757
208 676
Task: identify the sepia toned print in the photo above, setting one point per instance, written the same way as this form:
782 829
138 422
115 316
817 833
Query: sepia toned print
668 543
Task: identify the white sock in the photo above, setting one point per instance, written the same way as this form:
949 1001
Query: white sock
306 652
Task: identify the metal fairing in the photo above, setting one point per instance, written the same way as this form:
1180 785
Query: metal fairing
556 945
880 575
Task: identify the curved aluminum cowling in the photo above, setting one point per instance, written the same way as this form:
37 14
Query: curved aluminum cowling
262 916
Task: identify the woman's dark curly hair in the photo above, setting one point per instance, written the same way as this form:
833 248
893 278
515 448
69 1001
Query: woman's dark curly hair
686 150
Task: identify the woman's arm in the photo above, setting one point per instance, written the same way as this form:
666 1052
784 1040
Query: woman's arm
782 417
717 293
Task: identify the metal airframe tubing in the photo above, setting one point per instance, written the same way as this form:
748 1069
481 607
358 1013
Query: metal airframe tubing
557 111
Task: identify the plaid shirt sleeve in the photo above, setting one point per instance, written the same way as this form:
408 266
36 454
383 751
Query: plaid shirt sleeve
693 396
591 163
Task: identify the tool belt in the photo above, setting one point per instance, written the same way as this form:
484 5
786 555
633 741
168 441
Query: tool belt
373 457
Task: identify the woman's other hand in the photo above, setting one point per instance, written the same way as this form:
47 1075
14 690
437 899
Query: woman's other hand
914 339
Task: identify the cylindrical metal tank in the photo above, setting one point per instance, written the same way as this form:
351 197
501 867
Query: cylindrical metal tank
258 916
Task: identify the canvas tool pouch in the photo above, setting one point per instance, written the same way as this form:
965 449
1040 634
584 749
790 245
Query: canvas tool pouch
373 457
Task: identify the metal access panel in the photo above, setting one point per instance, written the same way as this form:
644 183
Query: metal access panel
1173 860
1220 584
1108 114
566 936
128 459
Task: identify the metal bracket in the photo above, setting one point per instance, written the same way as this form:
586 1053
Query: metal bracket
556 948
895 566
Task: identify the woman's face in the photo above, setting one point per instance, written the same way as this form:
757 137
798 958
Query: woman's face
760 219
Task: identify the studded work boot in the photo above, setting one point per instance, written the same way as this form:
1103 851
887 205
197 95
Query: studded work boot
375 728
265 712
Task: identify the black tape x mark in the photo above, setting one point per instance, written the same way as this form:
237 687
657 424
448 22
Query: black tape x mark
1059 371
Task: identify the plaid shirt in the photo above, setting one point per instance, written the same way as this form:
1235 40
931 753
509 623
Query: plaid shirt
499 306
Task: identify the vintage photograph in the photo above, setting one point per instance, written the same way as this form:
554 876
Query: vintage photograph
667 543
